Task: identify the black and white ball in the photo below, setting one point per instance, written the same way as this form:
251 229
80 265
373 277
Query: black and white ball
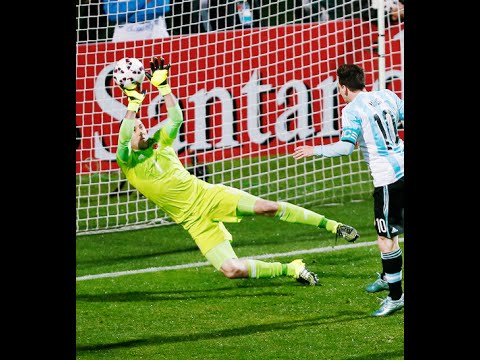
128 72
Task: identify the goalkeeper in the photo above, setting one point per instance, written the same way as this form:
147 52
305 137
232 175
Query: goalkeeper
151 165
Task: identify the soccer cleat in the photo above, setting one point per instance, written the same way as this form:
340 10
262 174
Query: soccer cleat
347 232
377 285
303 275
389 306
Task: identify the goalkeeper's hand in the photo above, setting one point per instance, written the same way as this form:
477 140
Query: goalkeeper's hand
135 97
159 75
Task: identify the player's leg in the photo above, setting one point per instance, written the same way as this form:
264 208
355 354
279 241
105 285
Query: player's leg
285 211
224 259
388 209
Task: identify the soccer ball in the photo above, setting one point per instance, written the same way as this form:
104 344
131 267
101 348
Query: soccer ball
128 72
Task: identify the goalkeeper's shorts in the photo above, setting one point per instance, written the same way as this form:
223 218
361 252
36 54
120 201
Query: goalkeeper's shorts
205 225
220 253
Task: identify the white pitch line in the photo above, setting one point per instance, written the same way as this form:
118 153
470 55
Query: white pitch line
205 263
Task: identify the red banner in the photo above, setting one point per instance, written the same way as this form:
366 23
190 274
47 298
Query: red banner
259 91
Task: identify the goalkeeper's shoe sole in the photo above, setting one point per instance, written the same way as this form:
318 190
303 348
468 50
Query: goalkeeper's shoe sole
303 275
346 232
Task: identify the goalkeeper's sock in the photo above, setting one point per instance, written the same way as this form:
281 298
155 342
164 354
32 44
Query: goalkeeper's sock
260 269
288 212
296 214
329 225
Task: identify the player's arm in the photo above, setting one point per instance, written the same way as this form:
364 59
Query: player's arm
159 79
135 98
124 148
345 146
339 148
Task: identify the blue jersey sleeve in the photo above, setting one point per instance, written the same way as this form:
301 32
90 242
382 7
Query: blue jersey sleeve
351 127
339 148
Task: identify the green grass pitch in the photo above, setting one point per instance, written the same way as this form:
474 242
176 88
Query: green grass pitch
197 313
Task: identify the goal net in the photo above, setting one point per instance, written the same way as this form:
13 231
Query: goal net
254 79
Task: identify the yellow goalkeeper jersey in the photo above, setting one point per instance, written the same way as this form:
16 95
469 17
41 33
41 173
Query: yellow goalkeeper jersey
157 173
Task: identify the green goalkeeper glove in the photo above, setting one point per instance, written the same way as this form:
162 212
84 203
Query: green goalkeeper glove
159 75
135 97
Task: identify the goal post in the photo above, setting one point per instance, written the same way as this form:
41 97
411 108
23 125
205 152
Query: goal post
250 92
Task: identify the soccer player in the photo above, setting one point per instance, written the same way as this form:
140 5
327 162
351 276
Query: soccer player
372 119
151 165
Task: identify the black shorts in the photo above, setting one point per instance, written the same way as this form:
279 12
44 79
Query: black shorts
388 207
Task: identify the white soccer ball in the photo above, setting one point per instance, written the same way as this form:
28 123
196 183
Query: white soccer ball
128 72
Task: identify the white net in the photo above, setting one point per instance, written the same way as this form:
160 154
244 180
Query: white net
253 83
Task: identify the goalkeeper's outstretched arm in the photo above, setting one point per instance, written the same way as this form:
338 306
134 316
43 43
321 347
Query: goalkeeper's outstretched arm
159 78
135 99
133 129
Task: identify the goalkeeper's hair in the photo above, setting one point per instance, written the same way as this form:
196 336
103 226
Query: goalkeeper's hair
352 76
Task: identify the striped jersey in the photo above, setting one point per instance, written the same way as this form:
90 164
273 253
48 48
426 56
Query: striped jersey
372 121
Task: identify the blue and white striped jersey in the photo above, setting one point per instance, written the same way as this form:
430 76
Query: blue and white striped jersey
372 120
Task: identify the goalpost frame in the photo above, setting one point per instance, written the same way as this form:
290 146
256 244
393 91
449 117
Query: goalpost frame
249 97
381 44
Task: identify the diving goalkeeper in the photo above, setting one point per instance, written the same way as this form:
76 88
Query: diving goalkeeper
151 165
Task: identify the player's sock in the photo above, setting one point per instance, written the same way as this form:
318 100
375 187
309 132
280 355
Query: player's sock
260 269
392 266
295 214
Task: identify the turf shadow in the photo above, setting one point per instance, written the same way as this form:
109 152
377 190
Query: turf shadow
224 333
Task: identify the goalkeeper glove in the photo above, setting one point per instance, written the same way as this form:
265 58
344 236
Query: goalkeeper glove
159 75
135 97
